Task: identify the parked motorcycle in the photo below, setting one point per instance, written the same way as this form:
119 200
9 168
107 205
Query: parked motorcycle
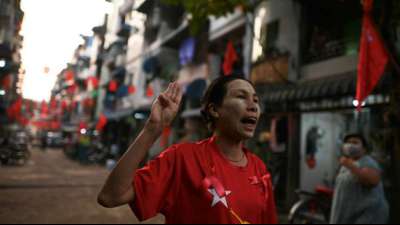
15 149
313 208
98 152
5 153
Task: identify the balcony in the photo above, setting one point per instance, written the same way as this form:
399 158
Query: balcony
325 50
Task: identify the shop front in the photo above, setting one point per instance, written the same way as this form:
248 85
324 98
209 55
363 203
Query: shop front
319 114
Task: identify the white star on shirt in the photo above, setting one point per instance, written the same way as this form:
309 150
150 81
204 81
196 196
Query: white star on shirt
217 199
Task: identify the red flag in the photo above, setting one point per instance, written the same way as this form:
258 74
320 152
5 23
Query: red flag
44 109
150 91
373 56
22 121
53 104
55 125
131 89
88 103
71 90
73 105
69 75
230 58
92 82
64 106
101 123
14 110
6 82
113 86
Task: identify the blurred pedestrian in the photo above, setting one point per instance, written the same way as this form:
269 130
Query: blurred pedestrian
359 195
213 181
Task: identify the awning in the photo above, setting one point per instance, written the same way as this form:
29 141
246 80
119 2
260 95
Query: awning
330 88
69 128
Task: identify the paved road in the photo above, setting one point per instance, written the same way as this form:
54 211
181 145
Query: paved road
53 189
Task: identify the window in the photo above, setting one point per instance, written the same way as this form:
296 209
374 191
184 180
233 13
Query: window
269 35
4 7
265 36
332 29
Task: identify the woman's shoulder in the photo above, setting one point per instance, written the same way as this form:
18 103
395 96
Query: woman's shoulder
186 148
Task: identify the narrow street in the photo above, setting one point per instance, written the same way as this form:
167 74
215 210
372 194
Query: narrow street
53 189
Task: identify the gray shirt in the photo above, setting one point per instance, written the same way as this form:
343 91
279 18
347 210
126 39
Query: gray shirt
355 203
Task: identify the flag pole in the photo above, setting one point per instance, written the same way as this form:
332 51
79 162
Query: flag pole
393 61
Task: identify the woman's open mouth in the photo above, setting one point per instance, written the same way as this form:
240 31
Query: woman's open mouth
250 123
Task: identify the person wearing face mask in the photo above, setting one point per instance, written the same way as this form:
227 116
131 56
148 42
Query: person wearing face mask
359 195
214 181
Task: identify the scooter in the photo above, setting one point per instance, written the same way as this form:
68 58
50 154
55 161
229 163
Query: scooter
313 208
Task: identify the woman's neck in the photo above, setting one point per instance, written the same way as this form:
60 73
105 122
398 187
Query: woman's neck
232 149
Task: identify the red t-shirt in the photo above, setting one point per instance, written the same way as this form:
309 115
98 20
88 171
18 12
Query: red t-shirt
194 183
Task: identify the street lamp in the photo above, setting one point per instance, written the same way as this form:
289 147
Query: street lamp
356 103
2 63
2 92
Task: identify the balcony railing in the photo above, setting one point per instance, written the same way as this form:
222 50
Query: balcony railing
331 49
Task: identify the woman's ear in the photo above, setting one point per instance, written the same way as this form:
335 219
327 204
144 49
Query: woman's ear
213 111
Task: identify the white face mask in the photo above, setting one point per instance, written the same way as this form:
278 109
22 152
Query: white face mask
352 150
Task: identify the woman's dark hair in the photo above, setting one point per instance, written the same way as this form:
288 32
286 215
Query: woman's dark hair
358 136
215 95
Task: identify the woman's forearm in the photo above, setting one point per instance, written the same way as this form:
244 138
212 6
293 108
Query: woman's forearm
118 188
367 177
